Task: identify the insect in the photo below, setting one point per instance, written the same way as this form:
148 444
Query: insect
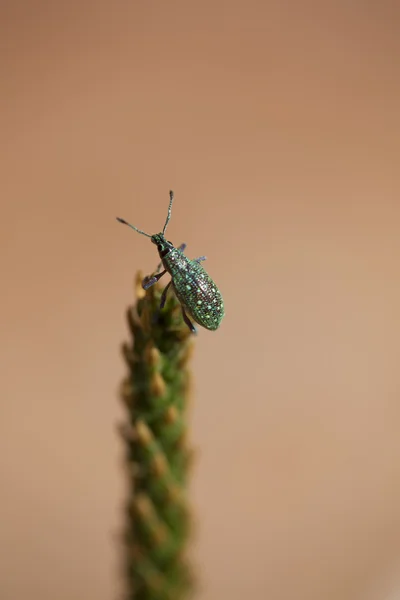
199 296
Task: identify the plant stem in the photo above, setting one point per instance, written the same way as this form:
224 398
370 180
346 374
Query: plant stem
155 393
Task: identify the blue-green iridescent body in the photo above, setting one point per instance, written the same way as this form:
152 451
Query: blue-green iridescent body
194 288
199 296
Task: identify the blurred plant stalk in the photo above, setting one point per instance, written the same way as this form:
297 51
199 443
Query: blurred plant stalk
156 394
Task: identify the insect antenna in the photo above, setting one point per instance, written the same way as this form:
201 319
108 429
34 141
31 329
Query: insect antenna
132 227
171 199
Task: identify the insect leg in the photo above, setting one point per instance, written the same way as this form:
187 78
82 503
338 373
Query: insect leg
182 247
158 269
188 321
148 282
164 295
200 259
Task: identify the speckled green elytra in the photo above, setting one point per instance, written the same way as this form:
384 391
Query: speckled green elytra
199 296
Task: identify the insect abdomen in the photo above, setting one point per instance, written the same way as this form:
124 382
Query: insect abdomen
198 293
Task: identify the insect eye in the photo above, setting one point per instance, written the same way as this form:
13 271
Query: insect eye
159 247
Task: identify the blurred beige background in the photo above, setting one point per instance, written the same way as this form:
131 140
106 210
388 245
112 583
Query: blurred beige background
277 125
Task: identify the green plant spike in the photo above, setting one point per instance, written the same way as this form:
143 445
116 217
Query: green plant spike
156 394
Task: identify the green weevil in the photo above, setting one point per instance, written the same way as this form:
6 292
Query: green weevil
196 291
